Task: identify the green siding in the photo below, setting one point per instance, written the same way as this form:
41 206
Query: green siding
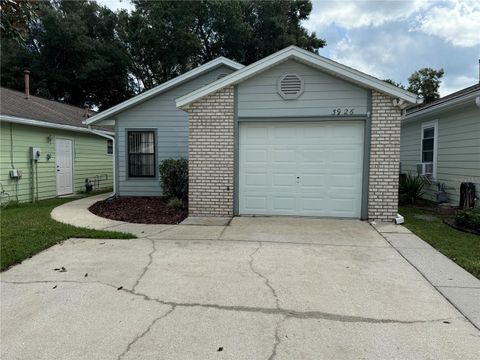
458 154
89 154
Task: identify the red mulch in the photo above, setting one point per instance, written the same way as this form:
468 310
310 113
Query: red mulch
141 210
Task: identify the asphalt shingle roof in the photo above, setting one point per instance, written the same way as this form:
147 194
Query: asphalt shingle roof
14 103
444 99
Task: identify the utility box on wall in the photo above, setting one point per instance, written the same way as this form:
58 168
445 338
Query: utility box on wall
35 153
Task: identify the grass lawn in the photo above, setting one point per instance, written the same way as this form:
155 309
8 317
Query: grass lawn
27 229
461 247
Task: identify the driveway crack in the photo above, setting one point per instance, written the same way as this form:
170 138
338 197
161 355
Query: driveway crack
287 313
277 338
263 277
145 269
145 332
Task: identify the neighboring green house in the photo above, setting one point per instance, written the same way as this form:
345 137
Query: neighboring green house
441 140
69 153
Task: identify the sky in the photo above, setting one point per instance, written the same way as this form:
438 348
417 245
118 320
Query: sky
392 39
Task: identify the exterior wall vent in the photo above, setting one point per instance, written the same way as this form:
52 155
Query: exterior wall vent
290 86
222 75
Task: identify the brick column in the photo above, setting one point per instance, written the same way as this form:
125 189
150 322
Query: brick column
384 159
211 154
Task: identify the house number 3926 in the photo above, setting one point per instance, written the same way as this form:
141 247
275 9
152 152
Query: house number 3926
338 112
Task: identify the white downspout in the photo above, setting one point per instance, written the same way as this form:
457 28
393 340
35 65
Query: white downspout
101 133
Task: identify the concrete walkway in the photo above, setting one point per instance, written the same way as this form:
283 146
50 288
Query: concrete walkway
76 213
460 287
260 288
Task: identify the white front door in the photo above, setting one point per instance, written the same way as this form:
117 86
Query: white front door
304 169
64 168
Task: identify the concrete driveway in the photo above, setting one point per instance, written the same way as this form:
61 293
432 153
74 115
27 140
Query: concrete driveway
261 288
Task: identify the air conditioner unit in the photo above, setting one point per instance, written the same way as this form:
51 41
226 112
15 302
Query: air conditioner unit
425 168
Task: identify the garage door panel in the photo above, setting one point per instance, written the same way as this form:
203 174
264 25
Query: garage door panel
283 203
283 179
256 179
256 156
255 202
313 181
284 156
326 157
312 157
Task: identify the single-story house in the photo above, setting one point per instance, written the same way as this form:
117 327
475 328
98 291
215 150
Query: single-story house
292 134
46 150
441 140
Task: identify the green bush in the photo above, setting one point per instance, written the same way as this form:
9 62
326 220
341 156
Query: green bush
174 178
175 204
412 186
469 219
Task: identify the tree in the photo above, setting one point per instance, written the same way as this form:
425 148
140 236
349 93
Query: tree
166 38
79 51
426 82
74 55
16 17
394 83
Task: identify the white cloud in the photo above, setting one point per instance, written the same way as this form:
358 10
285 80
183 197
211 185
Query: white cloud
357 14
377 53
457 22
454 83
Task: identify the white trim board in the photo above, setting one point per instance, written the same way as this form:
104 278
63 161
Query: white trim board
31 122
309 58
109 113
426 125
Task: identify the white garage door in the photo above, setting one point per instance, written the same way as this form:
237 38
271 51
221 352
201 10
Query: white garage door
305 169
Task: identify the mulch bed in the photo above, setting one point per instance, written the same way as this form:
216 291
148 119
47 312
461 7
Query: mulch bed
140 210
453 224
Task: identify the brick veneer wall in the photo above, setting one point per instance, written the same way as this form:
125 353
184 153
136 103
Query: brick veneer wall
384 159
211 154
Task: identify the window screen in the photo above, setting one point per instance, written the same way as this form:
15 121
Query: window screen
428 144
141 154
109 147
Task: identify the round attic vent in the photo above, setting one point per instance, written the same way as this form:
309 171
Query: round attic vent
221 76
290 86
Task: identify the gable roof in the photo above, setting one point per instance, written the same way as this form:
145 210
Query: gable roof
309 58
452 99
13 104
104 115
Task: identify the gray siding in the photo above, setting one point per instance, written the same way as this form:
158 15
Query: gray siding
458 156
258 97
171 125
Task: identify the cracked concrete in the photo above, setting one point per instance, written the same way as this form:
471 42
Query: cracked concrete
461 288
267 282
228 293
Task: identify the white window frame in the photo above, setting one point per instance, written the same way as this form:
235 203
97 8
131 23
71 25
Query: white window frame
107 153
427 125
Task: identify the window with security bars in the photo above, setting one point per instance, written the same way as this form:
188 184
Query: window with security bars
141 154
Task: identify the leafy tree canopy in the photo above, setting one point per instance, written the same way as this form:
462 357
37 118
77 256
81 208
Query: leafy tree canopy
394 83
426 82
79 51
16 17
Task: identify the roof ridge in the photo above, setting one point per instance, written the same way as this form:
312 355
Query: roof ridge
41 98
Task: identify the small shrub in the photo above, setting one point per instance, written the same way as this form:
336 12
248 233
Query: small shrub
175 204
412 186
469 219
174 178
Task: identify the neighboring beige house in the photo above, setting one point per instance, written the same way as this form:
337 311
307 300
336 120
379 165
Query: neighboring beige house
441 140
292 134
